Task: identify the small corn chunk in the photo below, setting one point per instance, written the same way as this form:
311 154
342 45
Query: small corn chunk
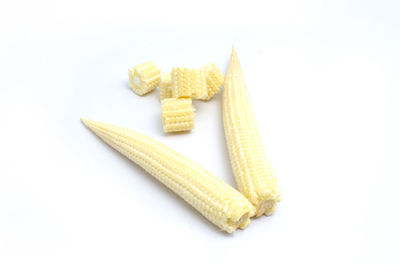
177 114
189 83
253 172
165 86
144 78
181 82
215 79
217 201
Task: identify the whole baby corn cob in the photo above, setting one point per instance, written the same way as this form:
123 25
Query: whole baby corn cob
177 114
253 172
218 202
144 78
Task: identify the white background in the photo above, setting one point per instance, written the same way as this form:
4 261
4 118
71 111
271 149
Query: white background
324 81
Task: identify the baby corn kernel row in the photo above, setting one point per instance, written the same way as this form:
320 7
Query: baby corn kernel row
174 87
165 86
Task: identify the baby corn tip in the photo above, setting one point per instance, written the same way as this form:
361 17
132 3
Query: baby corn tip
86 122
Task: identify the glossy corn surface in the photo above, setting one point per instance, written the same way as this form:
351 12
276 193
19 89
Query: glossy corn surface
253 172
218 202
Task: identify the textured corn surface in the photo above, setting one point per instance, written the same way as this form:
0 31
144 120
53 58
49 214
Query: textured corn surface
144 78
165 86
253 172
177 114
218 202
189 83
214 78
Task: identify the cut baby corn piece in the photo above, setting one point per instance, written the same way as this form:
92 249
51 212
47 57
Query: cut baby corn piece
177 114
189 83
144 78
253 172
165 86
214 79
217 201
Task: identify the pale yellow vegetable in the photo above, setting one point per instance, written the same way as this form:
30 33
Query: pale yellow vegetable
177 114
165 86
253 172
189 83
214 78
218 202
144 78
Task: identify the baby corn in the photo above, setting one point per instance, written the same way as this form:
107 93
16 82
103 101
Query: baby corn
144 78
214 79
218 202
165 86
189 83
177 114
253 173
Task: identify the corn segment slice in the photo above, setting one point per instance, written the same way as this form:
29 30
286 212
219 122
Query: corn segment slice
218 202
253 173
177 114
189 83
165 86
144 78
214 79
